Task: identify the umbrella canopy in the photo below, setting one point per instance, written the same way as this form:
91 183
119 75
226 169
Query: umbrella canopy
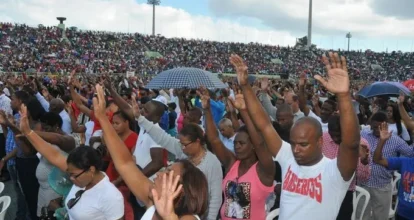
31 71
190 78
409 84
152 54
383 88
276 61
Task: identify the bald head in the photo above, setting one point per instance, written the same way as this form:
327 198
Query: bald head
310 123
56 106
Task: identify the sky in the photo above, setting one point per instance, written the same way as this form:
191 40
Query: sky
379 25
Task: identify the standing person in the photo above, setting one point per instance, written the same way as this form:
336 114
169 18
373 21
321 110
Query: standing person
93 196
191 198
330 148
10 161
379 184
313 185
249 171
172 114
5 105
26 158
405 166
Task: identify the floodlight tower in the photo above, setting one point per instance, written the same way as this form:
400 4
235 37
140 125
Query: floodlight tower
309 43
349 36
153 3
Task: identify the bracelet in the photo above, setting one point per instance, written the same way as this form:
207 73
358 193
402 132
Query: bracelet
31 132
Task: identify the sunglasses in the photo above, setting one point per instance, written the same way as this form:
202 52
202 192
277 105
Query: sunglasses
235 191
72 202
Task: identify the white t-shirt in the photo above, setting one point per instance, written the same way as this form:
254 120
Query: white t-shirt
149 214
324 125
142 149
404 134
88 133
316 191
101 202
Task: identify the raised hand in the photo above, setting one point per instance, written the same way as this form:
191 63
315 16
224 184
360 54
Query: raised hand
241 69
264 84
230 106
204 97
24 121
401 98
164 202
302 79
238 102
135 106
107 82
315 100
384 133
72 77
3 118
99 103
337 80
11 119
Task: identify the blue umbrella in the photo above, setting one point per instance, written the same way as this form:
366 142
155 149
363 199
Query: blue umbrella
190 78
383 88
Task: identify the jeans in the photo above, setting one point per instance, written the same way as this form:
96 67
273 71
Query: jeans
21 213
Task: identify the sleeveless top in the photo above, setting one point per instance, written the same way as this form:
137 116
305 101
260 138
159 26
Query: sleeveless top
46 193
244 196
149 214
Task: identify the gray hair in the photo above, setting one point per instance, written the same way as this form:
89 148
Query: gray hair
226 122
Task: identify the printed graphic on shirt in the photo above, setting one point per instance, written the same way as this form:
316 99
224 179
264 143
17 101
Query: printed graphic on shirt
237 204
408 185
310 187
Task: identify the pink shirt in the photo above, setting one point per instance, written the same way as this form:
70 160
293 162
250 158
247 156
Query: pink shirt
180 121
244 196
330 150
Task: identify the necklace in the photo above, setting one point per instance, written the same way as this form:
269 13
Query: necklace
197 161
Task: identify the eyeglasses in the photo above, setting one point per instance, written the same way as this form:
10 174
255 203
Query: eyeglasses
235 191
77 175
72 202
185 145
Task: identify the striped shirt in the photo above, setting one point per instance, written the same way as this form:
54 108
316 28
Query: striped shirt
10 142
330 149
380 177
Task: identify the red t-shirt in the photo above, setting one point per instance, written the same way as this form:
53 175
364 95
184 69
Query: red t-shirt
130 143
76 110
97 125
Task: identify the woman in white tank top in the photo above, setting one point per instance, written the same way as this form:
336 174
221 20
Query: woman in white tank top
189 200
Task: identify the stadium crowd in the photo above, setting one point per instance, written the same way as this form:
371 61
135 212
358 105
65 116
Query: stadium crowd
259 149
41 48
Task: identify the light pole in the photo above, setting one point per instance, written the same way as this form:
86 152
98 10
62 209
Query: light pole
349 36
310 25
153 3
